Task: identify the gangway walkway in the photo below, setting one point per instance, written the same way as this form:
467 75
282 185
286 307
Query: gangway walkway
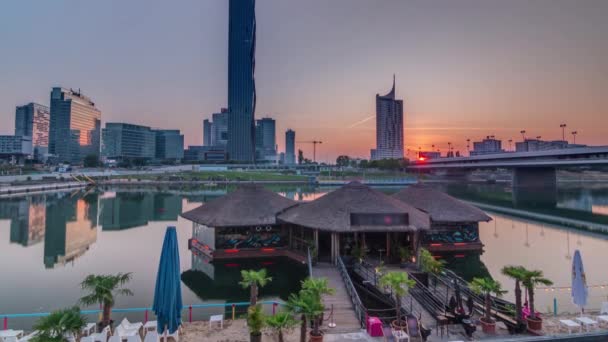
343 314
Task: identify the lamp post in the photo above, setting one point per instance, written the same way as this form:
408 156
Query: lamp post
523 134
563 127
574 133
510 142
468 145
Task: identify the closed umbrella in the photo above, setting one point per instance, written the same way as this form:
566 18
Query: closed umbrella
168 292
579 281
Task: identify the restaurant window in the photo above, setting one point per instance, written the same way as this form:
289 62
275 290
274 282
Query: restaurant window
378 219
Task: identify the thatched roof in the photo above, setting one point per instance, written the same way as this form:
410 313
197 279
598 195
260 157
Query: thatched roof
441 206
248 205
333 211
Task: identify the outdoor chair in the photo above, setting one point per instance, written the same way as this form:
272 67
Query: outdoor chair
134 338
115 338
99 337
152 336
29 337
217 319
131 326
413 328
400 335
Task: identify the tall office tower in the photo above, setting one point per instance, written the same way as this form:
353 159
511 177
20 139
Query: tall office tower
389 127
219 129
241 82
290 147
125 141
75 126
206 132
169 144
265 139
32 120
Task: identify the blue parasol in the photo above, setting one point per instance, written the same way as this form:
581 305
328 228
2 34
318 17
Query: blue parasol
579 281
168 292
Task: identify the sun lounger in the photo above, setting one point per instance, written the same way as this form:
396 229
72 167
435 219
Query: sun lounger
124 333
10 335
29 337
570 324
587 322
88 329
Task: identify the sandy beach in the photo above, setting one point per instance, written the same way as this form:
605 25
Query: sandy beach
234 331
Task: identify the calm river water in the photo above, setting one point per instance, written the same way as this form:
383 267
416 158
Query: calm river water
50 242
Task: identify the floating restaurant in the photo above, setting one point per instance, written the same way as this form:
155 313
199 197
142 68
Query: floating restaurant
256 222
454 223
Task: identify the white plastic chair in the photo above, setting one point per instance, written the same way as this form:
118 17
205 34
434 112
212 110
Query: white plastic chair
604 310
152 336
174 336
131 326
115 338
133 338
29 337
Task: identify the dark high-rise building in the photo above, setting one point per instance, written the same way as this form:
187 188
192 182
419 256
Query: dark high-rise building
265 139
241 82
290 147
389 127
32 120
75 126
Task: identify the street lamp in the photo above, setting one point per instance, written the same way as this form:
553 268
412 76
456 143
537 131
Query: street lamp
563 127
468 144
574 133
538 137
523 134
510 142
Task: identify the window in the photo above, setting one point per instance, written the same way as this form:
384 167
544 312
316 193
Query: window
378 219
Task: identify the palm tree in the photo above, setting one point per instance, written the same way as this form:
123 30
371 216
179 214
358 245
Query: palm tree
487 287
399 284
254 279
317 286
516 273
530 280
309 305
255 322
103 289
59 324
281 321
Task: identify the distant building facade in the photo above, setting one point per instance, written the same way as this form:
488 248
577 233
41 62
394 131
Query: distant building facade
16 146
265 140
205 153
489 145
169 144
123 141
530 145
241 82
425 155
290 147
75 126
207 132
219 129
33 120
389 127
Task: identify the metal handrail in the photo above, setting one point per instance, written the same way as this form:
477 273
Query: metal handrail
360 310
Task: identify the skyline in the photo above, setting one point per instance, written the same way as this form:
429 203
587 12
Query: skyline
525 65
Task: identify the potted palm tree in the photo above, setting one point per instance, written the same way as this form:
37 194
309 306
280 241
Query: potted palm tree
530 280
294 306
399 284
517 273
309 304
59 325
254 280
487 287
102 290
280 322
255 322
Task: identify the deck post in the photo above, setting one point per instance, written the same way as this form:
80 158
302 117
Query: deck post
337 247
388 244
316 237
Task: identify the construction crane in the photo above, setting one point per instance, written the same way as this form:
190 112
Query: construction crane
314 148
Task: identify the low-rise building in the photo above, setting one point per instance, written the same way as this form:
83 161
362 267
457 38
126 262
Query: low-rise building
530 145
123 141
169 144
489 145
15 147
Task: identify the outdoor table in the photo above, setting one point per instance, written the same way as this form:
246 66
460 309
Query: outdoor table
10 333
374 327
587 322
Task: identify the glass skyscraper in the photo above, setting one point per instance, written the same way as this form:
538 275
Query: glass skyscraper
127 141
32 120
241 82
75 127
389 127
290 147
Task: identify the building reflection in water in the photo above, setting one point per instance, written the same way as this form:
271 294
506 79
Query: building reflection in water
67 222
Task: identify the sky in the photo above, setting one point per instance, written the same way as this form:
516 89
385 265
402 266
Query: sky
465 69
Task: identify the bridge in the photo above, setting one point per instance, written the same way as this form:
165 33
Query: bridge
534 173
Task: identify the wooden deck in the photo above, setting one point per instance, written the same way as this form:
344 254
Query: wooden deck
343 313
